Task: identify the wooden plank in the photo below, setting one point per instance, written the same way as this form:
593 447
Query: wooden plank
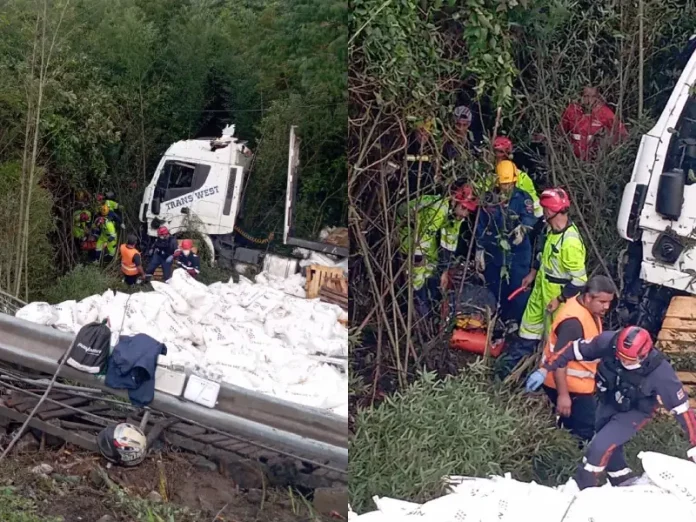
687 377
89 444
677 347
683 307
676 323
65 412
19 398
676 335
75 401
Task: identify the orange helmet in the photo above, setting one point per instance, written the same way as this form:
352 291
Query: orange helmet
104 209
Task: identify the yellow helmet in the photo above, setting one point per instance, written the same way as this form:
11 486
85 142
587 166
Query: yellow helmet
104 210
506 171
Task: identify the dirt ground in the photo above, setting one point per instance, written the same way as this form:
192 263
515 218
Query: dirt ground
171 489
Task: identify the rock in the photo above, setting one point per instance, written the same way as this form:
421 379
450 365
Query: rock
328 500
204 464
42 469
107 518
153 496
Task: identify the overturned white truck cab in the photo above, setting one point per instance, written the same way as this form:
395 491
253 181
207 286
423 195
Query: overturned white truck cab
199 184
658 210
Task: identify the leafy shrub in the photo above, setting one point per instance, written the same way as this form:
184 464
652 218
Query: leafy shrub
82 282
461 425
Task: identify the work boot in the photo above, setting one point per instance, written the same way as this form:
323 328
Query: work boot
622 478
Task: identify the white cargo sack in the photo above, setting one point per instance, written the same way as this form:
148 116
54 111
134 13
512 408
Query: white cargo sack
193 291
39 313
66 316
179 304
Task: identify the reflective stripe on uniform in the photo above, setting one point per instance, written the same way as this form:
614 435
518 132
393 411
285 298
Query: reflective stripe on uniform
681 408
620 473
591 467
411 157
576 351
581 374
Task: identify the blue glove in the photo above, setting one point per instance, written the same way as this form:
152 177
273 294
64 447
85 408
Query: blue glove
535 380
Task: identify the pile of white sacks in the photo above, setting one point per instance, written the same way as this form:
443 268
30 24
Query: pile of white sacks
262 336
667 491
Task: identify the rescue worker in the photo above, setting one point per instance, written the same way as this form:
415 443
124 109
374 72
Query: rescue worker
162 253
452 244
429 214
81 228
420 161
631 374
107 237
558 273
115 213
503 150
586 122
464 142
131 262
503 243
187 259
571 389
82 217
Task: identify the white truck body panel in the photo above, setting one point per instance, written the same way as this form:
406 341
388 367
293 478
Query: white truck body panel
647 169
206 183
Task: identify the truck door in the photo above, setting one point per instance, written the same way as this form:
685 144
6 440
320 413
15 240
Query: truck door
175 188
233 195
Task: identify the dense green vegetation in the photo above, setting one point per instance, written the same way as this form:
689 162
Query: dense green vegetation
92 93
464 426
517 64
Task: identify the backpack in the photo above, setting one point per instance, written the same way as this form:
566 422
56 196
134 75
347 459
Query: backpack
91 348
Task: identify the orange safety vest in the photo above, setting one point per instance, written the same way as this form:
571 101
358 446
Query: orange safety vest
127 265
580 375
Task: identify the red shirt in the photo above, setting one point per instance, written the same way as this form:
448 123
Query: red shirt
583 129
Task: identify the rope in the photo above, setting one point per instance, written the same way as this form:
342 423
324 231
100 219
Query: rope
253 239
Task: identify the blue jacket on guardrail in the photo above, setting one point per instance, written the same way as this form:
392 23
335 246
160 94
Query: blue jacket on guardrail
132 367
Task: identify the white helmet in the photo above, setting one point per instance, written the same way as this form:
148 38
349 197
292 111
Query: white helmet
463 113
122 444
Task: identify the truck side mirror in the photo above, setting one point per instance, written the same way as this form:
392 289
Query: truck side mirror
184 210
155 206
670 194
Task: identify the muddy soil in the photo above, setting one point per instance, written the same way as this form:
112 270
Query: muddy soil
75 490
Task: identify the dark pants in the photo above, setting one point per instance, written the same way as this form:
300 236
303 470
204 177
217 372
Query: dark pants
157 260
515 350
427 298
502 287
130 280
581 422
605 451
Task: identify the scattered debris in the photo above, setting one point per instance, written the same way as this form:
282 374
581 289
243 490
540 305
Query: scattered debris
42 469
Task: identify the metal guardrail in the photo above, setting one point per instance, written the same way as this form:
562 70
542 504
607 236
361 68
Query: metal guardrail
307 432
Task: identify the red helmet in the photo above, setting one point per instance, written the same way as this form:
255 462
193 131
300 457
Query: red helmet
555 199
465 197
162 231
633 345
100 220
186 244
84 216
100 197
502 143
